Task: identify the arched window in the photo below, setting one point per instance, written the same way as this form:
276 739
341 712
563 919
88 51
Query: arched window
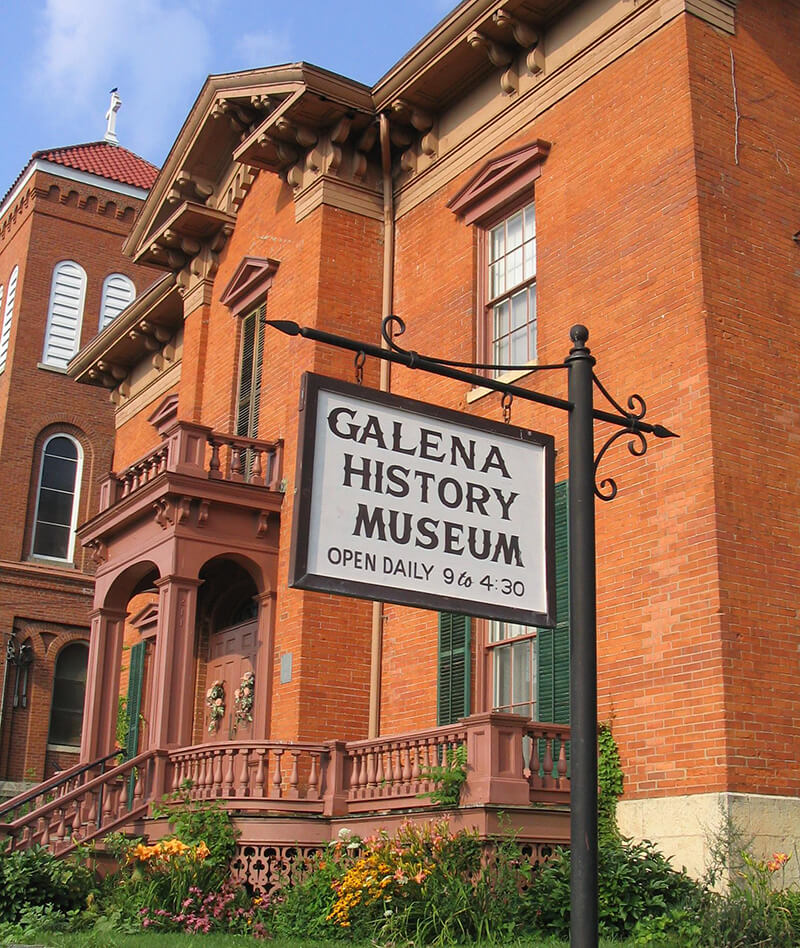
118 292
69 690
8 313
65 314
57 498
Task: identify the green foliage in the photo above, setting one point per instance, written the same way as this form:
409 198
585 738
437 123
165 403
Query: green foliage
201 821
34 878
609 782
449 777
678 928
423 885
635 882
123 721
756 910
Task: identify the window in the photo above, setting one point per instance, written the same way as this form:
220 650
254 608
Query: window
65 314
251 363
499 201
511 281
530 667
118 292
8 313
57 498
69 690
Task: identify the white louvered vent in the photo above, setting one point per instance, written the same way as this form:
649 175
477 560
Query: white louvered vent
8 314
65 314
118 292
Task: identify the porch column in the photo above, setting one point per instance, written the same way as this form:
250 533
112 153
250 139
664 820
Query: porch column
264 670
99 732
173 685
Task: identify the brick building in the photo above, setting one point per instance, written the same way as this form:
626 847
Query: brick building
528 165
63 277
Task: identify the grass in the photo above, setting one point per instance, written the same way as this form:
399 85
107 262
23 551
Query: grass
96 939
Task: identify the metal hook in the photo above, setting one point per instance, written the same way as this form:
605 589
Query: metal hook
360 359
506 401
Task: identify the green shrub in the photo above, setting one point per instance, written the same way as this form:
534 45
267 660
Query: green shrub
635 882
201 821
449 777
756 910
422 885
35 878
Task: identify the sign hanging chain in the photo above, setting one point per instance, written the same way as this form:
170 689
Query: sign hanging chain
360 359
506 401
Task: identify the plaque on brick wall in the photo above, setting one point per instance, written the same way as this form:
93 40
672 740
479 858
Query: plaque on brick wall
402 501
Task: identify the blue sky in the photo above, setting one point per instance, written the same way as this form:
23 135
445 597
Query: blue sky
62 58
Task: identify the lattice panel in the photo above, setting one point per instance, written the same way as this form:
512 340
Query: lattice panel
263 869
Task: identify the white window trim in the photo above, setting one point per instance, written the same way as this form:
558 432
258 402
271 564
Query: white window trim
50 313
8 316
75 501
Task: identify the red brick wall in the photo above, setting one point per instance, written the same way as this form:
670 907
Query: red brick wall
58 221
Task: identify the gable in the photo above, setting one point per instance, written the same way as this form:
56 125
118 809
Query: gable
499 182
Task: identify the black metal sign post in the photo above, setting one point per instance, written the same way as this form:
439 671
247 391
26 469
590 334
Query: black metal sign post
583 489
583 647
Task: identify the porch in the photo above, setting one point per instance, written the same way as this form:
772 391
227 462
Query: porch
290 799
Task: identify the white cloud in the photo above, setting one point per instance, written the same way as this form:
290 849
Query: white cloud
156 51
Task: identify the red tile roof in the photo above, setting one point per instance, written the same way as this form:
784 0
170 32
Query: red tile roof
103 159
100 158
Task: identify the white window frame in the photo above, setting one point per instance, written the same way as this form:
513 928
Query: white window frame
504 637
76 493
48 359
8 316
121 280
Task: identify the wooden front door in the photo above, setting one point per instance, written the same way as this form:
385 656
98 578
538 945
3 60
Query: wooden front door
231 653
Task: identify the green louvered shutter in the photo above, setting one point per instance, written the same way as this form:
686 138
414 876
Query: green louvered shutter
454 668
251 365
134 698
554 643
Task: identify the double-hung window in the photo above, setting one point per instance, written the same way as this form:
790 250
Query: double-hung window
499 201
510 319
57 498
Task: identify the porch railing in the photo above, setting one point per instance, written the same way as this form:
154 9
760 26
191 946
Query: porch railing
255 775
99 806
511 762
199 451
394 772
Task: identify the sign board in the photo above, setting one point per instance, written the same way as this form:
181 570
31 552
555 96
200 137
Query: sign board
405 502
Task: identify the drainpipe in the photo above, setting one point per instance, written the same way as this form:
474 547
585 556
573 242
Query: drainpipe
376 653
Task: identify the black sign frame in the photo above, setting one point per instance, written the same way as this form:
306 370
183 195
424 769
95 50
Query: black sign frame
300 576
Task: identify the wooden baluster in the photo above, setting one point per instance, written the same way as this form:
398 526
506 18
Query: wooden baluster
562 766
209 787
61 829
397 773
277 776
91 817
227 780
415 767
260 773
138 788
294 778
177 773
370 782
313 778
75 819
27 834
216 790
201 776
244 772
355 770
406 751
237 463
257 472
45 837
548 761
106 810
213 464
380 776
